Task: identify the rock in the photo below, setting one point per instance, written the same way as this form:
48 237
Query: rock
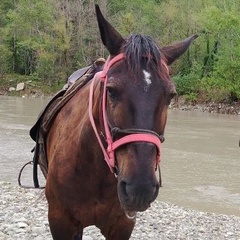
22 219
87 238
21 225
20 230
23 216
39 238
38 230
11 89
20 86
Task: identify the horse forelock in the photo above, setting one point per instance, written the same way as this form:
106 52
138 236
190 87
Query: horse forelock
140 52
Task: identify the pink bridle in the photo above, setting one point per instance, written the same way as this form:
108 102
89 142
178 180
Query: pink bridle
109 153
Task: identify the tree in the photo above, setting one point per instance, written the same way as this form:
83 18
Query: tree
34 38
220 23
49 39
5 55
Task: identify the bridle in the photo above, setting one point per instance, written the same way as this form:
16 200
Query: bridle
129 135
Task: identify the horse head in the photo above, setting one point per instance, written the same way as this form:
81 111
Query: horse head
138 93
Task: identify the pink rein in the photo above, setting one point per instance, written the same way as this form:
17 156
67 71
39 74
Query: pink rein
109 153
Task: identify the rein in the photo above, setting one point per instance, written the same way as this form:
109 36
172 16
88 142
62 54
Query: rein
131 135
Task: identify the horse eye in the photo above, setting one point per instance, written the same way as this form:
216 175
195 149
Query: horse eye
172 95
111 93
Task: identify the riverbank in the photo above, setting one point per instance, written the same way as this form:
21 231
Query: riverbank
224 107
211 107
23 216
180 104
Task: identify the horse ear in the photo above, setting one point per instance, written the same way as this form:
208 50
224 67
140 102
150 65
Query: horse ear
110 37
175 50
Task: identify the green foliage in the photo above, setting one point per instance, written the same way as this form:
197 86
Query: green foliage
136 16
186 84
45 40
35 38
212 90
5 56
221 24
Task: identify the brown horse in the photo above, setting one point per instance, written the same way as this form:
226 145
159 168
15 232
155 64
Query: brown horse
103 147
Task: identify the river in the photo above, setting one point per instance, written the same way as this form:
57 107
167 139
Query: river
200 157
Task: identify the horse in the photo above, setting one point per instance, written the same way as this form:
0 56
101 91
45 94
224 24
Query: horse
104 146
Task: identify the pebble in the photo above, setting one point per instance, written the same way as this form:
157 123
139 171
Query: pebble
232 108
23 216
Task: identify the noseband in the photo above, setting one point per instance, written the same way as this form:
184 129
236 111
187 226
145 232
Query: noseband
129 135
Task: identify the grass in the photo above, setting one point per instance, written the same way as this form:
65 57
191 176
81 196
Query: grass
33 85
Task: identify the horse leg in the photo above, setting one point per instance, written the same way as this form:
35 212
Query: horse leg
121 230
63 226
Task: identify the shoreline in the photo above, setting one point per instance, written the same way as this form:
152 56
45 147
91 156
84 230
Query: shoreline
23 216
232 108
210 107
179 102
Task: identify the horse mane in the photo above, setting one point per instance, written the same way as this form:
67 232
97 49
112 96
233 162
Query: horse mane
142 51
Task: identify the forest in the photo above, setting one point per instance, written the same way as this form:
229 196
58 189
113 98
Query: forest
44 41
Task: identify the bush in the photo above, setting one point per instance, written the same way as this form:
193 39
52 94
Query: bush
186 84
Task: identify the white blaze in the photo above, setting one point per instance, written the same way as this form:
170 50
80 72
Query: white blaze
147 77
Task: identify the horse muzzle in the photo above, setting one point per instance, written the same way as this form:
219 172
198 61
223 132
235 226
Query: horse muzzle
137 197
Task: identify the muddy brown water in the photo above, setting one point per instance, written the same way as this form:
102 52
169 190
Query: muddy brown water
200 157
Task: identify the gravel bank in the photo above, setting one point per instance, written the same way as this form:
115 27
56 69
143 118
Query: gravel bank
232 108
23 216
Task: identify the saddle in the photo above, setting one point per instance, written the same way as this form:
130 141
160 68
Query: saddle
45 119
